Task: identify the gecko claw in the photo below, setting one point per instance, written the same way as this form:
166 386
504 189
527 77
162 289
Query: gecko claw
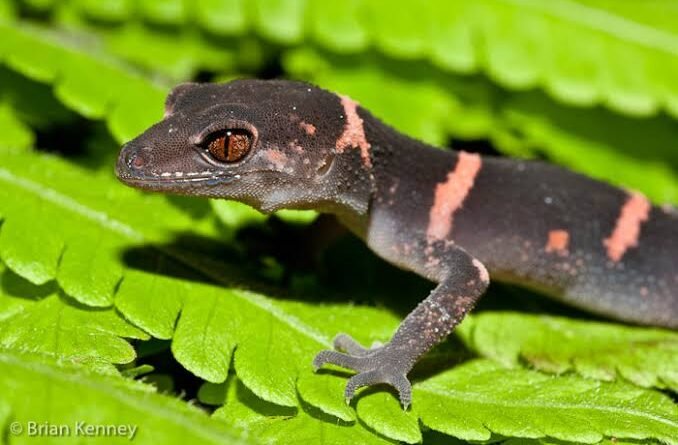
373 366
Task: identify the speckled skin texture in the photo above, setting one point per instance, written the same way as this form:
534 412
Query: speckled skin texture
447 216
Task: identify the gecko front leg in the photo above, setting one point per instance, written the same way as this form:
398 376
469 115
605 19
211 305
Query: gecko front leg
463 279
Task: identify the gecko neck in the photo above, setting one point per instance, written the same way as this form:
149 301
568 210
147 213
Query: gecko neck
396 161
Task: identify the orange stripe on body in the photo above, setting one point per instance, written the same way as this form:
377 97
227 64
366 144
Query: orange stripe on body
450 195
626 233
558 241
354 133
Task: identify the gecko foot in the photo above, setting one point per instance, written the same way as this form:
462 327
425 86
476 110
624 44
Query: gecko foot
381 364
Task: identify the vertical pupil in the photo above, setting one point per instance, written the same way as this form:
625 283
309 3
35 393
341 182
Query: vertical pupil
217 148
230 146
238 145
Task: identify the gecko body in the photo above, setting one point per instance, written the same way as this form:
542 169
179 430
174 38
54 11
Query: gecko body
454 218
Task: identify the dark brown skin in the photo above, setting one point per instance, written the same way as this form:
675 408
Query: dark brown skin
444 215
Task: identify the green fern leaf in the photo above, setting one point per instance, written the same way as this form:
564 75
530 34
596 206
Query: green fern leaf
235 215
79 396
40 319
222 17
32 103
480 400
169 12
92 219
14 132
110 11
274 341
7 11
179 54
84 247
275 424
476 401
382 415
39 6
339 26
603 351
95 88
279 20
5 415
621 62
479 396
16 294
549 441
580 53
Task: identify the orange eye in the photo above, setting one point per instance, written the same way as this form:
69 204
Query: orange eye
229 145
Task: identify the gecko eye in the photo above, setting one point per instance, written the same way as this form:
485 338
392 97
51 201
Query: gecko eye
229 145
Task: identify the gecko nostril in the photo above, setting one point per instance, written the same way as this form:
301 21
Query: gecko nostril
136 160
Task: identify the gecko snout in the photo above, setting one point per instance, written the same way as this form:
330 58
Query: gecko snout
132 161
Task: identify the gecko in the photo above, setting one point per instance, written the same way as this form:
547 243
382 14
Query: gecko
453 217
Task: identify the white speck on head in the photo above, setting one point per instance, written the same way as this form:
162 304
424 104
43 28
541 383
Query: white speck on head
171 130
548 200
237 176
294 108
308 90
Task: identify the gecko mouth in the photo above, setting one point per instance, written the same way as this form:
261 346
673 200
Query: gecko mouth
170 181
153 182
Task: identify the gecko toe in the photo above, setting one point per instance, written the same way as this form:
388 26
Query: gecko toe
336 358
359 380
345 343
404 388
398 381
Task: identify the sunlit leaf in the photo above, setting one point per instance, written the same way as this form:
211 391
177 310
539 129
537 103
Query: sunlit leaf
92 85
70 395
645 356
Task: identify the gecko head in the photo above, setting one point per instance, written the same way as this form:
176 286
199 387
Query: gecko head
269 143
